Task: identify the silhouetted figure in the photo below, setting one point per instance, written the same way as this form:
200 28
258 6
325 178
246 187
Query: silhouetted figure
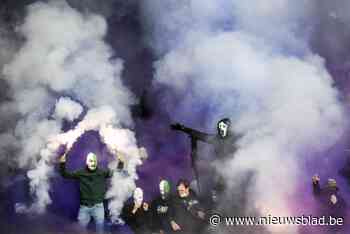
224 143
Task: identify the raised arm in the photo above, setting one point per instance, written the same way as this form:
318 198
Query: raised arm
108 173
198 135
316 188
63 171
120 167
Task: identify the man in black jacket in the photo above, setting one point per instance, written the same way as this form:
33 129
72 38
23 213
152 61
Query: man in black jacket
188 213
92 187
162 208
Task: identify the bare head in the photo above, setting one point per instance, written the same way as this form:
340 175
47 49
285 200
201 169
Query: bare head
183 188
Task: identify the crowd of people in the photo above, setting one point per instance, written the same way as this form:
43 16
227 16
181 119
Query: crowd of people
181 212
167 213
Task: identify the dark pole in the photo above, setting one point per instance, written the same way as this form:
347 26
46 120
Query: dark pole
193 161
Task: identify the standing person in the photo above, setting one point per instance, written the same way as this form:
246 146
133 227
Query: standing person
92 188
163 210
188 212
331 203
225 146
136 214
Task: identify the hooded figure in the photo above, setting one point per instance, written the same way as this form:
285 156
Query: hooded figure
136 213
224 143
92 188
163 210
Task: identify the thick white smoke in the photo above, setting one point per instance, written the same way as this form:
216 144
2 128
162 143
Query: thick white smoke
122 142
248 60
67 109
64 55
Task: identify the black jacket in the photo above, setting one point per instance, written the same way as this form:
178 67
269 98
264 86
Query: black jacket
326 207
139 222
162 213
186 213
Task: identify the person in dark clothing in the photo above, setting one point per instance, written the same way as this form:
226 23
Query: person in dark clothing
188 213
92 187
224 143
162 209
345 172
331 202
136 214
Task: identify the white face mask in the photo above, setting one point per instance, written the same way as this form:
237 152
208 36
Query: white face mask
222 129
164 188
334 199
91 161
138 196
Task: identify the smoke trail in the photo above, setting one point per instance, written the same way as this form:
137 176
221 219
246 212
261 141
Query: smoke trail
123 143
248 61
64 58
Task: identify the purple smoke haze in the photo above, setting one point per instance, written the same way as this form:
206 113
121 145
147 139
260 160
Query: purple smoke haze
133 30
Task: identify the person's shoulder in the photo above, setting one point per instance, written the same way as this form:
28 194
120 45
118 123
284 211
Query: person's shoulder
171 196
128 204
158 199
175 199
154 200
100 170
81 171
193 193
193 198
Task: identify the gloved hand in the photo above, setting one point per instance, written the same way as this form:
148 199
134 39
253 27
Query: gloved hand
176 126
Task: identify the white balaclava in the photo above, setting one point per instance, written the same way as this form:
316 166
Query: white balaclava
138 196
164 188
91 161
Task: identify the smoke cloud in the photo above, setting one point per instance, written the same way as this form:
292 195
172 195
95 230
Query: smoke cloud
261 63
248 61
62 70
67 109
